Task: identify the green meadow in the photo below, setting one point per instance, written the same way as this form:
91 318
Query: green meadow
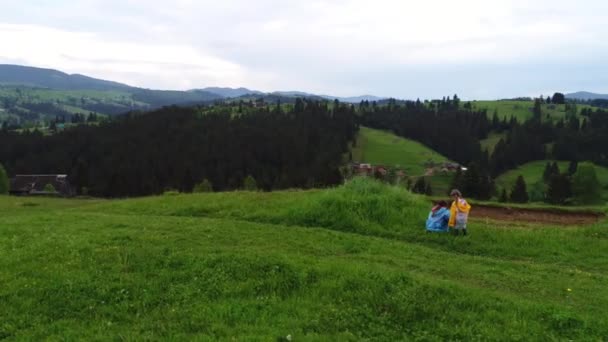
380 147
351 263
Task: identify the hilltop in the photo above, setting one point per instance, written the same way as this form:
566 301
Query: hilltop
585 95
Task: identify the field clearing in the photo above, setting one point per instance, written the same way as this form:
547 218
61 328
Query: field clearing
379 147
351 263
522 110
533 172
490 142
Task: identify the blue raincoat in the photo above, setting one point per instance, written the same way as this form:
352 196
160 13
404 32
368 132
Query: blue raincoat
438 220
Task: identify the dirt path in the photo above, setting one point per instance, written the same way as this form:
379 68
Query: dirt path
535 215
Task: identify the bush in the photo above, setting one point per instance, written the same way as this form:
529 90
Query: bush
538 191
49 188
204 186
585 185
4 184
249 184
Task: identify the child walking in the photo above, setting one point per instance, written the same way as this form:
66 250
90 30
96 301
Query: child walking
459 213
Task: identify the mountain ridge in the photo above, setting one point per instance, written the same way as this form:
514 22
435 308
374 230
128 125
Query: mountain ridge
586 95
20 75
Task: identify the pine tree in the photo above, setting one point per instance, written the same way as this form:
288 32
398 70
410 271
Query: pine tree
472 181
495 121
519 194
554 169
584 125
537 112
572 167
4 183
559 189
559 98
503 196
547 172
458 180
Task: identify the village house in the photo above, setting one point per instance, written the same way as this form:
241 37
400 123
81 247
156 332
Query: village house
41 185
366 169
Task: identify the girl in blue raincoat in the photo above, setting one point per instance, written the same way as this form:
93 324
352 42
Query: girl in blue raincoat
439 218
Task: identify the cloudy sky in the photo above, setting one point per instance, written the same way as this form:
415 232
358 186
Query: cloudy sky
480 49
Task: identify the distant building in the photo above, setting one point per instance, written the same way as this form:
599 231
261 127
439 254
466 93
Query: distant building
43 185
444 167
366 169
362 169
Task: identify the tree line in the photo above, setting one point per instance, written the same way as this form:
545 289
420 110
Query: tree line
179 148
454 130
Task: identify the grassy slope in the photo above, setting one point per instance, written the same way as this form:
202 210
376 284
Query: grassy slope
379 147
491 141
243 266
533 172
522 110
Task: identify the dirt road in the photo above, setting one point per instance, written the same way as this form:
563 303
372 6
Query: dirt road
534 215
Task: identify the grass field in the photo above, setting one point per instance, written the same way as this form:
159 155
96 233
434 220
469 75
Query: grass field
351 263
379 147
533 172
522 110
491 141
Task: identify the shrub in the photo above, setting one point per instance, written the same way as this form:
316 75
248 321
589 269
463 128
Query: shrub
204 186
249 184
538 191
585 185
49 188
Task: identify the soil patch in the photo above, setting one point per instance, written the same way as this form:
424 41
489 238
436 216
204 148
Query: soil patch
535 215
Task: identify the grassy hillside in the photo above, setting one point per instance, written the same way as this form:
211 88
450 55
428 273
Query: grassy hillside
380 147
522 110
491 141
533 172
345 264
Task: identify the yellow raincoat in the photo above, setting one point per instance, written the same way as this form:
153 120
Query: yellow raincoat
460 208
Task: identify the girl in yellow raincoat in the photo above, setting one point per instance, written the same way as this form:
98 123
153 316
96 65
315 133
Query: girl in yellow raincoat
459 213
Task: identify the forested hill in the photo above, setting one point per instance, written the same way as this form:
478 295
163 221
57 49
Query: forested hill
455 130
177 148
37 97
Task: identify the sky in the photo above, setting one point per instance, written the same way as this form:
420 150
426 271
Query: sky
478 49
